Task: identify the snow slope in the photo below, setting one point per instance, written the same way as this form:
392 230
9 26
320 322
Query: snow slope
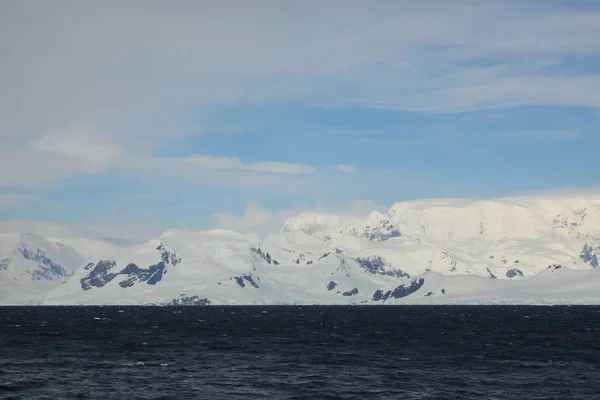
512 250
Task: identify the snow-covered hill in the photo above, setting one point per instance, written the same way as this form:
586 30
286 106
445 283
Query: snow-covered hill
513 250
31 264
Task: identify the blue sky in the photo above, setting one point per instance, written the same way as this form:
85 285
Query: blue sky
195 111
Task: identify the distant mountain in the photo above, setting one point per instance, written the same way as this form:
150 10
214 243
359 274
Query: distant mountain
513 250
30 257
30 264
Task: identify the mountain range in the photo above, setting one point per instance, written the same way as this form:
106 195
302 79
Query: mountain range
520 250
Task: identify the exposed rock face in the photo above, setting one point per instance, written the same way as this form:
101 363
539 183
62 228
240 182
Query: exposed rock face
99 275
382 231
151 275
241 280
48 270
167 256
331 285
379 295
184 300
103 272
350 292
263 255
403 290
589 256
514 272
378 266
399 292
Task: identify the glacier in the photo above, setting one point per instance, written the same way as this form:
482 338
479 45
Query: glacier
517 250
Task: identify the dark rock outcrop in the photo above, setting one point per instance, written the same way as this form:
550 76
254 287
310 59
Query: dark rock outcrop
589 256
403 290
400 291
151 275
240 281
381 232
264 255
132 274
379 295
99 275
249 278
331 285
167 256
129 282
378 266
184 300
352 292
155 273
302 259
514 272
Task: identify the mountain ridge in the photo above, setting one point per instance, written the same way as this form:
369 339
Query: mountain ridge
397 257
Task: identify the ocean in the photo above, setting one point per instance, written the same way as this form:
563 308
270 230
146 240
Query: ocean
305 352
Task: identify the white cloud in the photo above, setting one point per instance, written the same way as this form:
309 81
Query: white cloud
214 162
281 167
262 221
51 156
344 168
90 151
255 219
115 233
230 163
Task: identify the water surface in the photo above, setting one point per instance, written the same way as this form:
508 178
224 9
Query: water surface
341 352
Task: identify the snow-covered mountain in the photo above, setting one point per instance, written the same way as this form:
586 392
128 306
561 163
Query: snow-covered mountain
512 250
31 264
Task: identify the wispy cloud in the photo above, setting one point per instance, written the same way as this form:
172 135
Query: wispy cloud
465 55
215 162
344 168
281 167
46 158
113 233
50 157
90 151
232 163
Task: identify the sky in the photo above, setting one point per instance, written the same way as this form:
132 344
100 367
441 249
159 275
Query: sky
236 114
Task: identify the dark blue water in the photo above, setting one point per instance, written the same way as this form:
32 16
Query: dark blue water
300 352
